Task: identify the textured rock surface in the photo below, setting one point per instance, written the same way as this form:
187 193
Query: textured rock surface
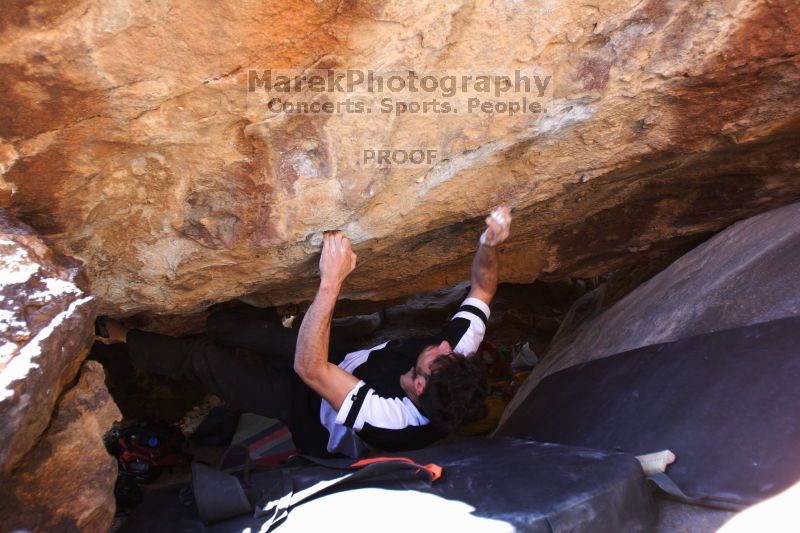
42 494
125 137
50 443
749 273
45 331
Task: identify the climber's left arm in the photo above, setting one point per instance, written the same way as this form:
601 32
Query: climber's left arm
485 265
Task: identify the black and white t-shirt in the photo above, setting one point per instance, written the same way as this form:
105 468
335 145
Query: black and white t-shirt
377 412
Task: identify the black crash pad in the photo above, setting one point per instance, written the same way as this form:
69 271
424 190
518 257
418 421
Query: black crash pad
487 485
725 403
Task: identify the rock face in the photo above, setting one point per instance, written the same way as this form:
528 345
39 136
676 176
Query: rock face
45 331
749 273
46 322
66 483
127 137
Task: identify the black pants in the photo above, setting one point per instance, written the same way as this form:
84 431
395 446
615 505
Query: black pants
247 361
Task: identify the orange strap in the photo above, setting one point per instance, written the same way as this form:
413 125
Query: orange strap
434 470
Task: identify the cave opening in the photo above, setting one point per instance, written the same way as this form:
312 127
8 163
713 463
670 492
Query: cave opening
534 313
526 319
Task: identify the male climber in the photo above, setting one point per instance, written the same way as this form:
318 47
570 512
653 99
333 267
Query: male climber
399 395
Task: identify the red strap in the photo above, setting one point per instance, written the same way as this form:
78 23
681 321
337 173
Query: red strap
434 470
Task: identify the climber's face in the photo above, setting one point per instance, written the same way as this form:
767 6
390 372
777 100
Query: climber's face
414 381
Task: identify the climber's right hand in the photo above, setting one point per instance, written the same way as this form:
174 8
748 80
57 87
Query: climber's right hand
337 259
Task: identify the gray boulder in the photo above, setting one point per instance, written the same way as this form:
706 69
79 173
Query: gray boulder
747 274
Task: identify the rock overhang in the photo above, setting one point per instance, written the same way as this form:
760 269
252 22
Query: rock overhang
128 141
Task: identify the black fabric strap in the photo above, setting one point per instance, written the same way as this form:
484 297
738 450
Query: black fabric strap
218 495
292 499
355 407
664 483
475 311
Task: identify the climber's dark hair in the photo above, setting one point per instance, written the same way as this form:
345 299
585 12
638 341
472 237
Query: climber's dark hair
455 392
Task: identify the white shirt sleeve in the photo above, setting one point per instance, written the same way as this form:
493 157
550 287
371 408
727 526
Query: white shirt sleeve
477 312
